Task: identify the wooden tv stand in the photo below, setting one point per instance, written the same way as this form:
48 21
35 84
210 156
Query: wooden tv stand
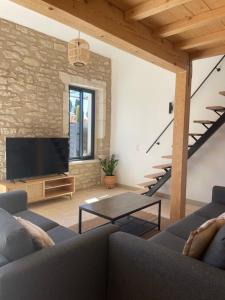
42 188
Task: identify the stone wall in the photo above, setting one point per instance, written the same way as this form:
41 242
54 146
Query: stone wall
34 93
86 173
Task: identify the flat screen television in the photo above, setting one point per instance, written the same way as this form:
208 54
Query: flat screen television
33 157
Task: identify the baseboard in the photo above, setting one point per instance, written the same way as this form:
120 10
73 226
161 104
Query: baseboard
189 201
162 195
128 187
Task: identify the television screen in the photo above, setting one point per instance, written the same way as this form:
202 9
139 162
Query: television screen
31 157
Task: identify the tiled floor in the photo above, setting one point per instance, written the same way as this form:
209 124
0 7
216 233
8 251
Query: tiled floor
65 211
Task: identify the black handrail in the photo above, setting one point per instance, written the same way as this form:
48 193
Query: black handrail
195 92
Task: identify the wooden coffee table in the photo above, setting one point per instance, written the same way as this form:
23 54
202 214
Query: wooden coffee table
117 210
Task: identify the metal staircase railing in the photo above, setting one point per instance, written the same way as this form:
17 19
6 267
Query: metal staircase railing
211 129
216 68
199 139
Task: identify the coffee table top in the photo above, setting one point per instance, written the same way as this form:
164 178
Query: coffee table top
118 206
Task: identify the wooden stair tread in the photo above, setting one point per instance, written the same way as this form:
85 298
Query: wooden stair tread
204 121
218 108
147 183
163 166
222 93
196 134
167 156
155 175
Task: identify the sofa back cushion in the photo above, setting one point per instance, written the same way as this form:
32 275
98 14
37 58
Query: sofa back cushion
215 253
15 241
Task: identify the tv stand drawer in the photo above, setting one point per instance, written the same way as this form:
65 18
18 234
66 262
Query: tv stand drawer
35 191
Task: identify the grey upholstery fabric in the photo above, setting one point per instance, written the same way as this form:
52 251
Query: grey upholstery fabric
44 223
13 202
215 254
168 240
3 260
75 269
139 270
59 234
218 194
211 210
15 241
183 228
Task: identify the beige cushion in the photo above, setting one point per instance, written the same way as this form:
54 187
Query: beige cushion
200 238
39 236
222 216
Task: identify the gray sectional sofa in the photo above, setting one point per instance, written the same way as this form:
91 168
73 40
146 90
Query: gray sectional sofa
75 268
156 269
107 265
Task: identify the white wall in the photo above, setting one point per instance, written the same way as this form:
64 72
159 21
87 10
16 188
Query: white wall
141 93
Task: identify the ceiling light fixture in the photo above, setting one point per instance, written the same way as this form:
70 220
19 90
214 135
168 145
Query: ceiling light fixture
78 52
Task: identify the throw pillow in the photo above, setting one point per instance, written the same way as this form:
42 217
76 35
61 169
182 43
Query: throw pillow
40 238
15 242
200 238
222 216
215 253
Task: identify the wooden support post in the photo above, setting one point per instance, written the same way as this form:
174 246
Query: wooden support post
180 144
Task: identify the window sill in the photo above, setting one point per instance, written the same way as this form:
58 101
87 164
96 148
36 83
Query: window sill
83 162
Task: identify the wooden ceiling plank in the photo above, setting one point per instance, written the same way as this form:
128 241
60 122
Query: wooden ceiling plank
106 22
220 50
202 40
197 7
151 7
191 23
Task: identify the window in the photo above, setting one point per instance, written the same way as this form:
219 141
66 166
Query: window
81 126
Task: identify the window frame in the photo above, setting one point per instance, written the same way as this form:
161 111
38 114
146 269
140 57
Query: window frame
82 90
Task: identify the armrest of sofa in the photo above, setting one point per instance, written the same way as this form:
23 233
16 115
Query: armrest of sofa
13 202
143 270
74 269
218 194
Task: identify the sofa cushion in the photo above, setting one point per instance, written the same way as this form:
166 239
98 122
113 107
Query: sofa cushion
38 220
15 241
3 260
215 253
211 210
169 241
183 227
59 234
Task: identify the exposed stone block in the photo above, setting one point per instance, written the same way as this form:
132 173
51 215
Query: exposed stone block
31 62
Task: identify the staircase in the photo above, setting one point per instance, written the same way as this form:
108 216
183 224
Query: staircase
156 180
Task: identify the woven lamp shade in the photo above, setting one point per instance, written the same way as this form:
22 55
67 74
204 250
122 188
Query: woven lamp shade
78 52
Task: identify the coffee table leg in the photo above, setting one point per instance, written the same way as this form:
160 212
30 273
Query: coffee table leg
159 216
80 220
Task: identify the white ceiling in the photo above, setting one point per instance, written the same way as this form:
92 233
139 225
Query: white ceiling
20 15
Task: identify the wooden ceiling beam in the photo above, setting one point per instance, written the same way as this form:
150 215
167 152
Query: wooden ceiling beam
220 50
190 23
106 22
151 7
202 40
